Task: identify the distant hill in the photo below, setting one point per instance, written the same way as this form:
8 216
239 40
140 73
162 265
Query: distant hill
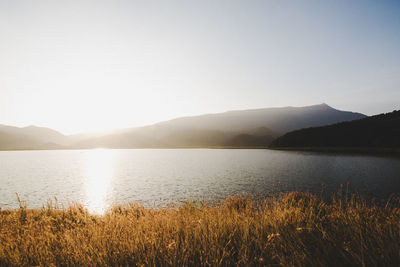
245 128
242 128
33 137
16 141
248 140
40 134
380 131
30 137
280 120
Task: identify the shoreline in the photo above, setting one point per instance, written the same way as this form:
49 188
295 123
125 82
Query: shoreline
344 150
98 148
340 150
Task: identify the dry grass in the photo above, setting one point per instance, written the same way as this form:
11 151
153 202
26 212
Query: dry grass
296 229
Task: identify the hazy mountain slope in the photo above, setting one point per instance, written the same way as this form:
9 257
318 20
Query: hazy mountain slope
16 141
279 120
33 137
234 128
122 140
243 128
38 134
179 138
248 140
45 135
376 131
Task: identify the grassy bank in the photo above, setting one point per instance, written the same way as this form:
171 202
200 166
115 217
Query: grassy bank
296 229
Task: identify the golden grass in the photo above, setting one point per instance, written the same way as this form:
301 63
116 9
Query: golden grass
295 229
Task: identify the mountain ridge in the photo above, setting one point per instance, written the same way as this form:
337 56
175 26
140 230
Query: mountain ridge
231 128
234 128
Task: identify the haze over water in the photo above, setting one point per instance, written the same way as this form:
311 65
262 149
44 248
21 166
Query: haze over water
99 178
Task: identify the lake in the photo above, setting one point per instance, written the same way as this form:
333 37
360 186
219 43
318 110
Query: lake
100 178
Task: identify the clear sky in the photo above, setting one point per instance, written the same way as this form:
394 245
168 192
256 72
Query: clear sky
88 65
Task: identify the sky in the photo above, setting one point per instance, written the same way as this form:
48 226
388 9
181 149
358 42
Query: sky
81 65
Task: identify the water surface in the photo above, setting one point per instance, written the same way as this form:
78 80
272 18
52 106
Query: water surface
100 178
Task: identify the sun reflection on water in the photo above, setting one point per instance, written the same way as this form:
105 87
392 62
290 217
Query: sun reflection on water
98 179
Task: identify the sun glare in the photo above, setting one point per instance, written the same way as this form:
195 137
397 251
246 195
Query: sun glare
98 179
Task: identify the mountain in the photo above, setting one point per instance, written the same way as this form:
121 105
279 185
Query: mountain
280 120
31 137
380 131
40 134
243 128
16 141
240 128
248 140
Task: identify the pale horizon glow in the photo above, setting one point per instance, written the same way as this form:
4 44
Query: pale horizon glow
78 66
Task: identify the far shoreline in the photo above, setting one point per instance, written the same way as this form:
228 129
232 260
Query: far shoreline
345 150
341 150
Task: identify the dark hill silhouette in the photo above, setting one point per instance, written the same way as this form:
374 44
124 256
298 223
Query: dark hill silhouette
380 131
